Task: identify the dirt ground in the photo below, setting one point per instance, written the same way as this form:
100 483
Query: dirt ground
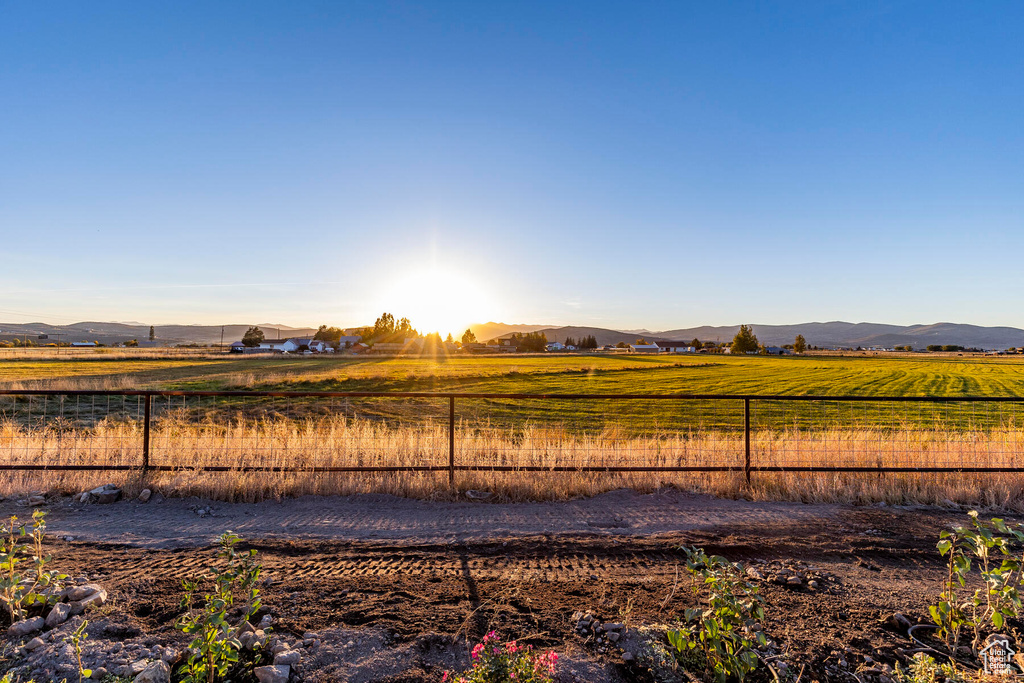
398 590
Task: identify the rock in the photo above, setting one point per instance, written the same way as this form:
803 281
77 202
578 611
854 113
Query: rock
290 657
614 636
108 497
36 501
794 581
754 574
273 674
99 673
614 627
84 497
135 668
26 626
157 672
627 656
310 635
94 600
58 615
899 622
145 496
265 623
812 583
479 495
278 647
34 644
81 592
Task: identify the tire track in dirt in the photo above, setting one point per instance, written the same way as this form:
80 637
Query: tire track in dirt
444 563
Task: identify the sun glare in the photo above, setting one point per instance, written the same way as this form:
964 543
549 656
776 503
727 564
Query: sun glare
439 301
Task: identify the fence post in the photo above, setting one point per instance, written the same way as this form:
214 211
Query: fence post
145 434
451 443
746 439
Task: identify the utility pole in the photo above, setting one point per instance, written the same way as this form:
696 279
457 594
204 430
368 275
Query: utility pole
221 337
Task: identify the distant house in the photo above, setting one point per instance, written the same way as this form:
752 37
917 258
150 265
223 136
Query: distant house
358 348
775 351
644 348
555 346
675 347
347 342
273 344
320 346
237 347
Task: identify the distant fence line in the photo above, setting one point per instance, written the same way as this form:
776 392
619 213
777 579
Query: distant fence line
741 433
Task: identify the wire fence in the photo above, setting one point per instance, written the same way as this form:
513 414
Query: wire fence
325 432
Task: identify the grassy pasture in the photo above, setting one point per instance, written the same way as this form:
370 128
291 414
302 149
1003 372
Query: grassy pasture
318 433
869 376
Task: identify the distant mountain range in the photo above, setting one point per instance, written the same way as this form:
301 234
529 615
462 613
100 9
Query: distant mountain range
109 333
826 335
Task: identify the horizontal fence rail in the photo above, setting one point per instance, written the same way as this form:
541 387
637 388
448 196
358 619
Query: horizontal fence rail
449 432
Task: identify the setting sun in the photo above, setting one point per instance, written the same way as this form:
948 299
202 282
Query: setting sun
439 300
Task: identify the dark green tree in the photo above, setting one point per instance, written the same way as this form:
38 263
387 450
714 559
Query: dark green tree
696 344
152 333
328 334
252 337
744 341
800 344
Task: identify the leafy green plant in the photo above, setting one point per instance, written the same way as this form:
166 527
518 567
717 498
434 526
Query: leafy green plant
35 585
997 550
724 635
77 637
924 669
497 662
214 649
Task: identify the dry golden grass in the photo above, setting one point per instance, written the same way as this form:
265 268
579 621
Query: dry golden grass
343 442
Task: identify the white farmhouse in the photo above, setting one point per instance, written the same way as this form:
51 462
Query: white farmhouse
675 347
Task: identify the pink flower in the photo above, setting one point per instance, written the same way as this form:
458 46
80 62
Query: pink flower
444 678
477 650
511 647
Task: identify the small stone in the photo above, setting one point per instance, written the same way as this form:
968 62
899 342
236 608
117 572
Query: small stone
34 644
277 673
26 626
479 495
36 501
108 497
94 600
812 583
613 626
99 673
58 615
794 581
627 656
266 622
81 592
614 636
899 622
157 672
754 574
279 647
290 657
145 496
310 635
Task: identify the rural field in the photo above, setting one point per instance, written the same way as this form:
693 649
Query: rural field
523 448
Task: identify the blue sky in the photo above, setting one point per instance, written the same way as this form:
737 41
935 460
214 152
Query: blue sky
626 165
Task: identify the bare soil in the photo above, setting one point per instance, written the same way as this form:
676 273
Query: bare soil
398 590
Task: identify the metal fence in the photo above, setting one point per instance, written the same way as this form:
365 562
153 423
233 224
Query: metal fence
267 431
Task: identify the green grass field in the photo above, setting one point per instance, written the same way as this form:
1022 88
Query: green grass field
869 376
618 374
